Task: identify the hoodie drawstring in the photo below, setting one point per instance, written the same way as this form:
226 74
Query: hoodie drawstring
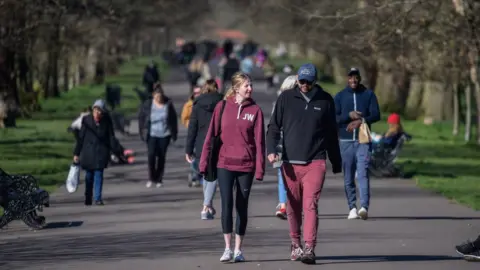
239 110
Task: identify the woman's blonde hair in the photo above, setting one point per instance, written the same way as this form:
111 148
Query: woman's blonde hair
288 83
209 86
237 80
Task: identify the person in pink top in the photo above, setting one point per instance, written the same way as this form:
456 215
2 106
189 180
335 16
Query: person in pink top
241 157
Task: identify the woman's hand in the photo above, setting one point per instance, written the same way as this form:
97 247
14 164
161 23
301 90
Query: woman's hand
189 158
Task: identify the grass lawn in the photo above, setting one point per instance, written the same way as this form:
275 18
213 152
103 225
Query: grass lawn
442 163
41 146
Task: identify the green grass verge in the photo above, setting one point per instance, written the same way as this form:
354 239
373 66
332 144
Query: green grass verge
42 147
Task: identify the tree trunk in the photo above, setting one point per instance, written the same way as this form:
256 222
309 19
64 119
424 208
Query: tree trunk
434 100
8 85
390 85
66 73
456 109
468 112
53 58
476 85
413 108
339 70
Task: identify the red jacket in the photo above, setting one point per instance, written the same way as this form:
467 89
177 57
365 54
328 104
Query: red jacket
243 138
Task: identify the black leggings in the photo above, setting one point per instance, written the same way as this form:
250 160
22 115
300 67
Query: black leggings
242 182
157 151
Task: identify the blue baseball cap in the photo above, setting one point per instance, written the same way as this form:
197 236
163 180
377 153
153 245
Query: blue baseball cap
307 72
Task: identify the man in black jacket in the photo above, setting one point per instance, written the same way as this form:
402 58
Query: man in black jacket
306 114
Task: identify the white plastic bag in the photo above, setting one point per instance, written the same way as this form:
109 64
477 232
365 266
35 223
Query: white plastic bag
73 178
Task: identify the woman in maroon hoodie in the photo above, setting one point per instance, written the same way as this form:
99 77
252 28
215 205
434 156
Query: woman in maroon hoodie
241 157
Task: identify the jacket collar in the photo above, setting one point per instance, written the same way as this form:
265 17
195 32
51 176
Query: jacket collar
360 88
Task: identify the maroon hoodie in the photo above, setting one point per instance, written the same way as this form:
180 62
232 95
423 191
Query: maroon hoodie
243 138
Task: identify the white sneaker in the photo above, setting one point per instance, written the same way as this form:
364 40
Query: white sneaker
353 214
149 184
238 257
159 185
363 213
227 256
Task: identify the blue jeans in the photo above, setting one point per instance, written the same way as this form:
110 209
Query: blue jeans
209 188
282 192
194 171
94 179
355 158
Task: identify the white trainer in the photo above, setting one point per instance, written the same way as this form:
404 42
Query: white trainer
227 256
353 214
363 213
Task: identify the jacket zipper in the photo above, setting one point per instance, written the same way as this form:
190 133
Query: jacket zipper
355 109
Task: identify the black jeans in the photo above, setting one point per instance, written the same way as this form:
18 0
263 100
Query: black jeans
157 151
242 182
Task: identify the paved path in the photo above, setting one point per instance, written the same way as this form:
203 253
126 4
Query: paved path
143 228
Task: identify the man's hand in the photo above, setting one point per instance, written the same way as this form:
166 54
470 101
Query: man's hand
189 158
354 115
354 125
336 169
272 158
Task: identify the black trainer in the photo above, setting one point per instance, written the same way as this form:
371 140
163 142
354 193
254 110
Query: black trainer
308 255
469 251
88 201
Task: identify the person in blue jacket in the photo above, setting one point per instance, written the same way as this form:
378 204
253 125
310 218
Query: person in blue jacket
353 105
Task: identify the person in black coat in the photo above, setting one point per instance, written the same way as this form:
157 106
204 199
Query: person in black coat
202 112
150 76
92 150
158 125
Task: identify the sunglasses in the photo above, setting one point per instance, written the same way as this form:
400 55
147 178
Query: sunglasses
305 82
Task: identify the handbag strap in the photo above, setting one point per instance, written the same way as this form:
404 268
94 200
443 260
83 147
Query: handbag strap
220 118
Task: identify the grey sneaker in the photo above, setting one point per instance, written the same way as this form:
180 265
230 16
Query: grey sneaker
296 252
308 255
238 257
227 256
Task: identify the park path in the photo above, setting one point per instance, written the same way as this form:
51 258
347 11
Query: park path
141 228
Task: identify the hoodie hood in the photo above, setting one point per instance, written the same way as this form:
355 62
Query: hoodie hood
247 102
208 101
